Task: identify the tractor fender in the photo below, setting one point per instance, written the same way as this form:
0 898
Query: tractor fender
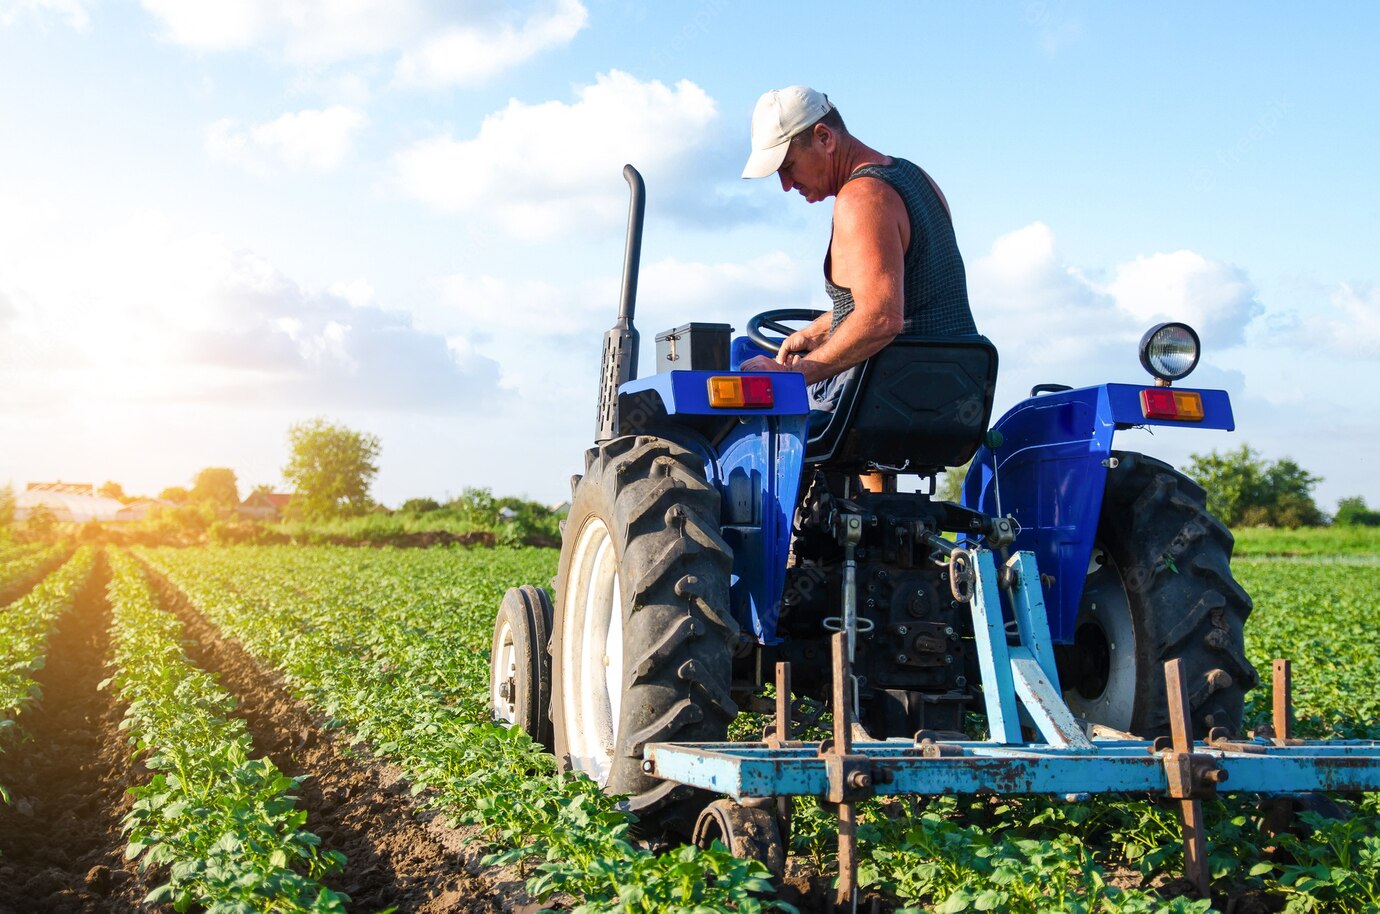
1047 467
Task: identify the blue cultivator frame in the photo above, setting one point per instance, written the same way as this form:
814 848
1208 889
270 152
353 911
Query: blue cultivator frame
1022 694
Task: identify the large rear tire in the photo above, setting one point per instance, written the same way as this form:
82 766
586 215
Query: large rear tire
642 637
1159 588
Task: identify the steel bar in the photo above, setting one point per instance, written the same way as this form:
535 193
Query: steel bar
994 661
783 701
1190 809
847 898
852 535
743 770
1283 699
1041 700
1032 620
842 747
783 736
843 703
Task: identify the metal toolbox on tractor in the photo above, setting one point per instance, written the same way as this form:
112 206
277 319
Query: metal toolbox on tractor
696 347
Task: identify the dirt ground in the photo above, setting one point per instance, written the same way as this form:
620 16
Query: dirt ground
61 848
397 855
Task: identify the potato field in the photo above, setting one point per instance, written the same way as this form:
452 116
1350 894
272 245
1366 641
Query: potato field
295 729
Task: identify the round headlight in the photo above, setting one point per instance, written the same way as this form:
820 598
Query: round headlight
1169 351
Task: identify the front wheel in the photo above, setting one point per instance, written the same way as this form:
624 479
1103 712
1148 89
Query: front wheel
642 636
520 663
1159 587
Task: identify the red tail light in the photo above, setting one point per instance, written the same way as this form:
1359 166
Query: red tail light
741 391
1167 403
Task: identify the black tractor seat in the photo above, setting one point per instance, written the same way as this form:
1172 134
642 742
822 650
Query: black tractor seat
918 406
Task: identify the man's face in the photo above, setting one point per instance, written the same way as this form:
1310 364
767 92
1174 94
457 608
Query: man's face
803 169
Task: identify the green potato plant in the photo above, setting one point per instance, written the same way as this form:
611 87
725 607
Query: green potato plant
221 825
391 645
25 627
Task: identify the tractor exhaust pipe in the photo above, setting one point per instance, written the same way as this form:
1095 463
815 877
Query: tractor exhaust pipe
619 363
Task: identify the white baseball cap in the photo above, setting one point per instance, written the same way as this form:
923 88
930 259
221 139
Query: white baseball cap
780 115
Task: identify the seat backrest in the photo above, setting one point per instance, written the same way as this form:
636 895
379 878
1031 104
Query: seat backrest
922 403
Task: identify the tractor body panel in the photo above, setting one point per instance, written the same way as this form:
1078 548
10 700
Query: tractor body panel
686 393
1049 472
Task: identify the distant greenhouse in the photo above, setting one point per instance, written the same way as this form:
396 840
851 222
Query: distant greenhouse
68 502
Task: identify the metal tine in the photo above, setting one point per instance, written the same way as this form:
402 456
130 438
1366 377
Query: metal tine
783 701
1283 699
1190 810
847 897
783 736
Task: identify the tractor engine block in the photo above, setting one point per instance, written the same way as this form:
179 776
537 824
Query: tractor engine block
914 647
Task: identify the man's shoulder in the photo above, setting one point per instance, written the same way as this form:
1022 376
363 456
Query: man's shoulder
866 196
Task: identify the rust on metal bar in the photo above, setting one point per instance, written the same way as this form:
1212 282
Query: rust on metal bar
1190 810
847 897
783 701
838 762
782 739
1283 699
843 697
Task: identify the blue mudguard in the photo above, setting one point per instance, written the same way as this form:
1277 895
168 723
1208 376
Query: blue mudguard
1049 472
755 462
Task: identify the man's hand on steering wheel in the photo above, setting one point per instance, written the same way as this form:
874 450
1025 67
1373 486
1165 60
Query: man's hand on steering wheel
790 349
765 363
776 321
795 346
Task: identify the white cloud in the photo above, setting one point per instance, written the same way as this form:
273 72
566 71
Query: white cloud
1348 326
1042 311
538 170
311 139
547 337
464 54
211 26
161 315
358 292
1053 322
72 12
434 42
1215 299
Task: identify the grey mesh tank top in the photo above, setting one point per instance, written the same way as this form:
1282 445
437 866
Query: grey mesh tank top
936 288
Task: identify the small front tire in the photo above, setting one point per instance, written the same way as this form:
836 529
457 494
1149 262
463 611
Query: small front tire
520 664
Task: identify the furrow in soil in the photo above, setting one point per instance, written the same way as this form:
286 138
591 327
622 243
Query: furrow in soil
394 857
61 848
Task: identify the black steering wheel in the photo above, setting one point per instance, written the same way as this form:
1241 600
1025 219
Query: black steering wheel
775 321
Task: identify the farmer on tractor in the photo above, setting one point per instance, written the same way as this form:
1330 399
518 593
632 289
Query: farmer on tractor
893 264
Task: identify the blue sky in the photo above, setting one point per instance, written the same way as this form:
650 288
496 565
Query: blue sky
408 216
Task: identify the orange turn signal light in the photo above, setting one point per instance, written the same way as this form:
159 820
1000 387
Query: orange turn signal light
1167 403
740 391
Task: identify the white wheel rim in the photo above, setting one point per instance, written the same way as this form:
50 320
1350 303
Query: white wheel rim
592 653
503 671
1110 609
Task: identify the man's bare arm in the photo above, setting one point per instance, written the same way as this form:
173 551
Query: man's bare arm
868 255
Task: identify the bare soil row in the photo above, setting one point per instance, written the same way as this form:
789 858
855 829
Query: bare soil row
61 845
61 848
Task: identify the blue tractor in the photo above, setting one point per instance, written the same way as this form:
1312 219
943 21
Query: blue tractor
719 528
